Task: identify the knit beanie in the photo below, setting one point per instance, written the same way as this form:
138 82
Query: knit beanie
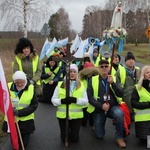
19 75
95 50
117 56
86 57
129 55
74 67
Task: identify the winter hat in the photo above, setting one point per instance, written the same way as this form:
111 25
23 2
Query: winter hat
103 62
62 53
23 42
95 50
86 57
129 55
19 75
88 64
117 56
50 58
107 54
74 67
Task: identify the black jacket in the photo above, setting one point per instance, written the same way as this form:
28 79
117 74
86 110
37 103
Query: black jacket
117 90
25 126
142 129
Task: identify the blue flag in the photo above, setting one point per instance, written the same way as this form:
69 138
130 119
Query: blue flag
46 46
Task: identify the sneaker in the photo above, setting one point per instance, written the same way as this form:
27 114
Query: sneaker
121 143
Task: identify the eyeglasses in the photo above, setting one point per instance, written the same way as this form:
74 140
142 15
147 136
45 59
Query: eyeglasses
19 83
103 66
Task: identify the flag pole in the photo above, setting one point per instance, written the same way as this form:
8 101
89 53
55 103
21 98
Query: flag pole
19 133
111 63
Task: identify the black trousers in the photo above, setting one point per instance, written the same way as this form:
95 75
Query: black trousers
47 91
73 129
25 140
87 117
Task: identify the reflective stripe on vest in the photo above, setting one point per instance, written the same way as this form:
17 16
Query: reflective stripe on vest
19 105
75 111
142 114
71 110
24 101
34 65
47 70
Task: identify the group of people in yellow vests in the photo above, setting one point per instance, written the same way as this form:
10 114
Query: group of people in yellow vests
95 93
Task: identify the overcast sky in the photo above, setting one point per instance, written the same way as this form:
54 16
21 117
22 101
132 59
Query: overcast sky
76 10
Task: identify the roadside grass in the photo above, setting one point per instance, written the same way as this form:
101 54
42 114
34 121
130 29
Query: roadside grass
7 46
141 52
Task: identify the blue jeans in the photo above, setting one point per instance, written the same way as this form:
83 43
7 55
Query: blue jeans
100 119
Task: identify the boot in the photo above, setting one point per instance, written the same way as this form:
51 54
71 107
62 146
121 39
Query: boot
121 143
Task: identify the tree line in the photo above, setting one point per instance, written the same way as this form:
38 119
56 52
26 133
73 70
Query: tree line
95 22
136 19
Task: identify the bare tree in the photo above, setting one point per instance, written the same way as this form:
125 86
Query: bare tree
95 21
135 16
29 13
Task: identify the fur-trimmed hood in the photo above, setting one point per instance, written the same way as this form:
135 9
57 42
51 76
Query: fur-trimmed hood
89 72
23 56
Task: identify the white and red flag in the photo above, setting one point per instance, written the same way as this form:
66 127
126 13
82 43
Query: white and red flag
6 108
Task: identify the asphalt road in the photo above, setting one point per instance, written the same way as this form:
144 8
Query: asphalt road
46 136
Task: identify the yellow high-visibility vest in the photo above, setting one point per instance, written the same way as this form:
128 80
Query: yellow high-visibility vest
75 111
47 70
142 114
23 102
34 65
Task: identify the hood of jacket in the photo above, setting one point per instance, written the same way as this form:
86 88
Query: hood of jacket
89 72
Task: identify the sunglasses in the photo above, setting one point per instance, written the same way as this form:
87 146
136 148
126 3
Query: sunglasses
104 66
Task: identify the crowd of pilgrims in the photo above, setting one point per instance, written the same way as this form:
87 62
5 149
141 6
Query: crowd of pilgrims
100 87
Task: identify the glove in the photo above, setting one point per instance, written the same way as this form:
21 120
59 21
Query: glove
15 111
32 82
68 100
65 101
72 99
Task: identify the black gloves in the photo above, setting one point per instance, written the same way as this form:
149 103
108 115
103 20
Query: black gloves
15 111
68 100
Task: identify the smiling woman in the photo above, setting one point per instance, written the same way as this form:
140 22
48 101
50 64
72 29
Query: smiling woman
140 101
20 80
70 108
24 103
